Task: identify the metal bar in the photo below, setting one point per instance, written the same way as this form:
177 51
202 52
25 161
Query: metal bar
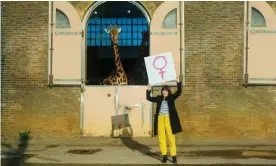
124 107
181 38
51 44
246 46
83 78
151 118
82 113
83 52
244 42
117 109
82 86
49 40
84 56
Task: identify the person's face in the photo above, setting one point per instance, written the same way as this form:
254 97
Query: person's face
165 93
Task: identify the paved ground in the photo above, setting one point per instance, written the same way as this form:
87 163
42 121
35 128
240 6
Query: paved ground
131 152
149 141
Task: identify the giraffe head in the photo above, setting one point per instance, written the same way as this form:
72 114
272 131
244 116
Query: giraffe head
113 32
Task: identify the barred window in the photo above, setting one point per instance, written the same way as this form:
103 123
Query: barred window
257 18
130 35
170 20
62 20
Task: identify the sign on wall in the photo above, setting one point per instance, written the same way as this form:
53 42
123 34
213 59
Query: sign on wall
160 68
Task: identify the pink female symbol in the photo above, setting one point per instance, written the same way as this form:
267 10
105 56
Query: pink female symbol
161 71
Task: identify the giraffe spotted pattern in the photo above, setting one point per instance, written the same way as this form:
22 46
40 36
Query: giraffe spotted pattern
119 76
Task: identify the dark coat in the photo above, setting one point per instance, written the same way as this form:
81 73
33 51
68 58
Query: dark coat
174 119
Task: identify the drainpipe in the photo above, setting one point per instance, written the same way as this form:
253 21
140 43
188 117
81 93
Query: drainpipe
181 39
246 45
51 44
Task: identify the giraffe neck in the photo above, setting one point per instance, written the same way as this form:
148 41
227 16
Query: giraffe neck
118 63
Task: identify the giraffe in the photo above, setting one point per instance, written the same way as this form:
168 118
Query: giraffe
138 74
119 76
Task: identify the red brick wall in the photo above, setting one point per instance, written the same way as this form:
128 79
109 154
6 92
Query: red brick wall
27 102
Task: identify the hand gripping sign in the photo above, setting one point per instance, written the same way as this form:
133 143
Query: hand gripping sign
160 68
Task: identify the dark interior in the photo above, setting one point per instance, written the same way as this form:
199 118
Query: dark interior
100 56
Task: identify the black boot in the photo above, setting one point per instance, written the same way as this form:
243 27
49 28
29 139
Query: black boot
165 158
174 160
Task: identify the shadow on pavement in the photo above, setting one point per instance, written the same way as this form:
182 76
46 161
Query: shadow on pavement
18 159
136 146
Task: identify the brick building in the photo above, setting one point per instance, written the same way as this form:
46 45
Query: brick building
224 50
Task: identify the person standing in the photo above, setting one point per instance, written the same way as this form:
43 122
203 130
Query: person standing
166 120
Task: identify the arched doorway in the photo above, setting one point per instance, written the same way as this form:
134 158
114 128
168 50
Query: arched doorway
109 110
133 46
100 104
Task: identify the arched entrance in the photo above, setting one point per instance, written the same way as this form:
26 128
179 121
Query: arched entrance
109 110
133 20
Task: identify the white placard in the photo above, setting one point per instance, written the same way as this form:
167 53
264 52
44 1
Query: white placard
160 68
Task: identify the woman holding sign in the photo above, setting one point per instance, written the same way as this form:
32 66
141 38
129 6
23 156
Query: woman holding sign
166 119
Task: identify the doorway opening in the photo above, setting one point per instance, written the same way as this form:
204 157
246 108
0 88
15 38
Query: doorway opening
133 42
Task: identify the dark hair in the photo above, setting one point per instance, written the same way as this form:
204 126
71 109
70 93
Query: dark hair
166 88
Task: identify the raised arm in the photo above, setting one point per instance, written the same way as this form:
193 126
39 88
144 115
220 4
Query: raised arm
179 89
149 98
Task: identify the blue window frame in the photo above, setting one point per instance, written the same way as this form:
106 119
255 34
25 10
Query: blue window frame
130 35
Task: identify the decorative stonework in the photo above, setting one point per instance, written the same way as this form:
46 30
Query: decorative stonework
273 5
82 6
151 6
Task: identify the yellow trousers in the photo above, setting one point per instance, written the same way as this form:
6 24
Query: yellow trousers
164 127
